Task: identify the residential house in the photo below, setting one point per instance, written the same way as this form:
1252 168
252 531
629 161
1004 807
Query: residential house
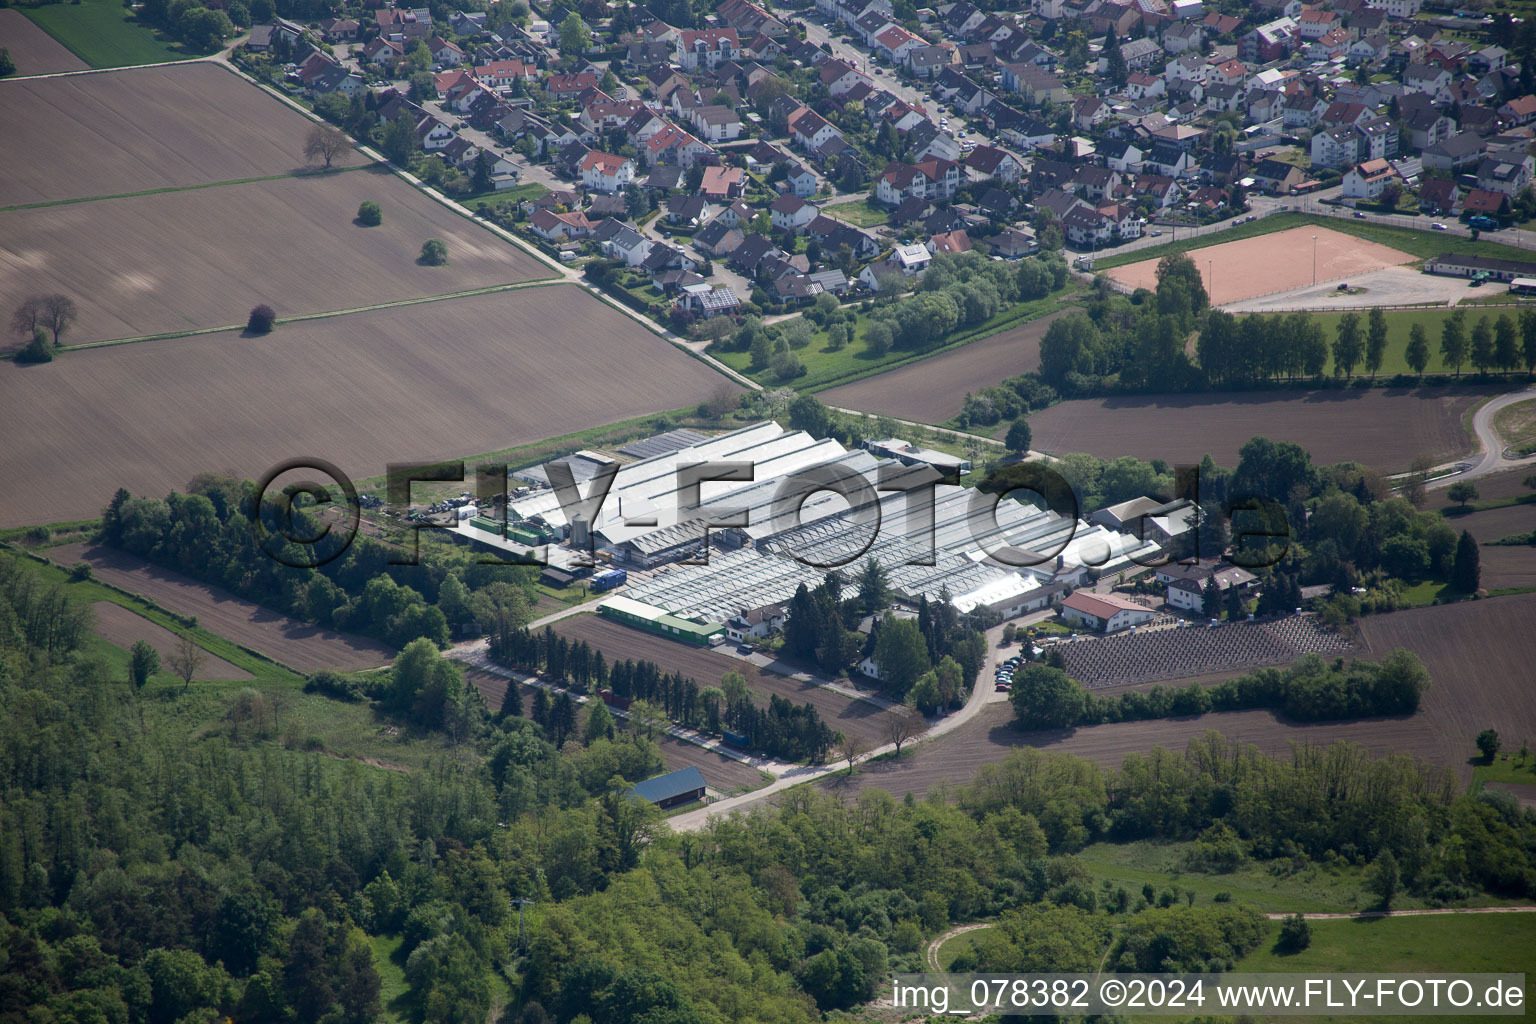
445 54
1486 203
810 130
934 179
707 47
927 61
949 242
1276 177
1438 197
718 238
722 183
1012 244
623 242
1271 41
984 163
1505 171
1367 180
1183 37
1426 126
1432 80
1141 86
1454 153
791 213
1521 110
1034 83
559 227
604 172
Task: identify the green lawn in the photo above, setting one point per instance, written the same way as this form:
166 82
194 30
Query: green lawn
826 368
1399 324
864 213
105 34
515 194
1507 767
1421 595
1422 244
1491 943
392 985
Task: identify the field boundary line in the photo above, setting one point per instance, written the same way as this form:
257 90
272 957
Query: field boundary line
318 173
323 315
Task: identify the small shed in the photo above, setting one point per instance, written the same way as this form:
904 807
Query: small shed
673 788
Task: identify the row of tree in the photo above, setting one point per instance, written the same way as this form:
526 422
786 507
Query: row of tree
1045 697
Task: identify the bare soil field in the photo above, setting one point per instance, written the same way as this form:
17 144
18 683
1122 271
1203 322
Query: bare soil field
1383 428
1478 653
300 646
431 381
117 625
721 772
1502 566
178 261
617 642
1279 262
34 51
144 128
932 390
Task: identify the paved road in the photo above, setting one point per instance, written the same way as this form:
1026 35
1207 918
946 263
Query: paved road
1492 459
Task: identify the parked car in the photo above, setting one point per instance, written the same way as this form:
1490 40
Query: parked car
1438 226
1155 232
1359 215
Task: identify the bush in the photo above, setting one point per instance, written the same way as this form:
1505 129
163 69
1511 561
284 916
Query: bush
80 572
370 214
434 252
262 318
1295 935
38 350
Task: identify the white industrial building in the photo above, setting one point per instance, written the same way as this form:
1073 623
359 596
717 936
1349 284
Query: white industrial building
1005 556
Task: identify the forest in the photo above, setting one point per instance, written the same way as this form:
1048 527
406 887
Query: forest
207 534
169 857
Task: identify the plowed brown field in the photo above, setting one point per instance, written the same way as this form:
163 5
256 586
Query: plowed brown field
35 51
117 625
932 390
1478 653
429 381
302 647
1383 428
179 261
144 128
617 642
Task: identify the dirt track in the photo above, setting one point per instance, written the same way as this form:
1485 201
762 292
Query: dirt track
34 51
143 128
1249 267
617 642
1385 428
178 261
933 390
430 381
117 625
300 646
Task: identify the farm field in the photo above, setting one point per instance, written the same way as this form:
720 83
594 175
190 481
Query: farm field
1477 653
1502 566
1249 267
1516 424
118 625
130 131
932 390
1384 428
34 51
106 35
429 381
617 642
167 262
300 646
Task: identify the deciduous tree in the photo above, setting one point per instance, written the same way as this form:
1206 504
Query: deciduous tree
325 143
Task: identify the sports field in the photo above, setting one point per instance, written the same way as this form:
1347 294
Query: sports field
1249 267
